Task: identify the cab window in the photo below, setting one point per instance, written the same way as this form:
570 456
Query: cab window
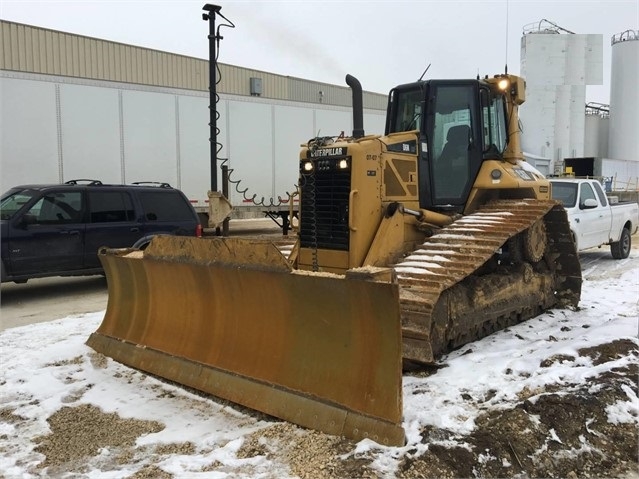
494 123
566 193
586 193
407 110
600 193
451 142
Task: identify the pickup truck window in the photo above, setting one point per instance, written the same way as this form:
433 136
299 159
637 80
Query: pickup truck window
601 194
566 193
586 194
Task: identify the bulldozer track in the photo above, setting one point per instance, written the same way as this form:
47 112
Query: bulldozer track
432 277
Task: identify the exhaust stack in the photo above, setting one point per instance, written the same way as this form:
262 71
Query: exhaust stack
358 109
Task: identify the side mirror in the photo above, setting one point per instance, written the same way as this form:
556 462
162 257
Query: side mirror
589 204
27 219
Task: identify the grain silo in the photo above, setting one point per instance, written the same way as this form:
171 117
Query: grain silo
624 97
557 65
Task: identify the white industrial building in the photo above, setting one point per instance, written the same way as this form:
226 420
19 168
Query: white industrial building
80 107
561 132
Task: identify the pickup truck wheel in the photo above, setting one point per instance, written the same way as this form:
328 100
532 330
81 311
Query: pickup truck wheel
621 249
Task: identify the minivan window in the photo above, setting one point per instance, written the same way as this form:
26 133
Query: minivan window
165 206
12 202
110 206
58 208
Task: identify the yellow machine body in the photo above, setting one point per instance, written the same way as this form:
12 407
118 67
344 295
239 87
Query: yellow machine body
398 260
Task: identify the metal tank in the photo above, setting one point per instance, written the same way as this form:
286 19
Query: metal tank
624 96
596 132
558 65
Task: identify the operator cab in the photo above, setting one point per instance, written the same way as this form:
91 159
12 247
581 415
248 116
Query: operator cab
460 124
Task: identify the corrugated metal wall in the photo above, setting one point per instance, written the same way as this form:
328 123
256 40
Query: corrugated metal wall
38 50
235 80
32 49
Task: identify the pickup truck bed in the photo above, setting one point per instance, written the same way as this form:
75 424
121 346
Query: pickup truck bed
594 221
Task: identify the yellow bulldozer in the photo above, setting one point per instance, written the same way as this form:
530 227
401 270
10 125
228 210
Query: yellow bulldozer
409 245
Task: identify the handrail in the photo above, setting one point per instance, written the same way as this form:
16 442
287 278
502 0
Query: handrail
628 35
544 26
351 202
290 210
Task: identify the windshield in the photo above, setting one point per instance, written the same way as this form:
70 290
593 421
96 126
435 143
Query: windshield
13 200
566 193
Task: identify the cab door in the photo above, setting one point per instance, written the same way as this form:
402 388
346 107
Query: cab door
450 146
595 229
454 144
49 236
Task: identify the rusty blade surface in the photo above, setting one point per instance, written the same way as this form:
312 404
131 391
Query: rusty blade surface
317 350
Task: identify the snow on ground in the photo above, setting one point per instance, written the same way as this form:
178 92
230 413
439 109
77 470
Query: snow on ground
47 366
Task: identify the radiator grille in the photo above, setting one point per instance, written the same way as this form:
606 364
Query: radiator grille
324 209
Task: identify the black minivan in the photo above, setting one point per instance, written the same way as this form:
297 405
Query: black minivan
56 230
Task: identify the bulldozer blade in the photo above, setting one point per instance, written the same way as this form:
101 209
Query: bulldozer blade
230 317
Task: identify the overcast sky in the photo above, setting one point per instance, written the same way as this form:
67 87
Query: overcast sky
382 43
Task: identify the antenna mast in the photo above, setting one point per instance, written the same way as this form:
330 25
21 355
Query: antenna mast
506 59
421 77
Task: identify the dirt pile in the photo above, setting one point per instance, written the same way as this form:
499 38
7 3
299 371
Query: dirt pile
560 432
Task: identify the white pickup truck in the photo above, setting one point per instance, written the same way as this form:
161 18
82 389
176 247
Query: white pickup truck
594 221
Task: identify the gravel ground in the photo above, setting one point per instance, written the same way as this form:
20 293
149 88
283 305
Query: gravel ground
506 443
513 440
